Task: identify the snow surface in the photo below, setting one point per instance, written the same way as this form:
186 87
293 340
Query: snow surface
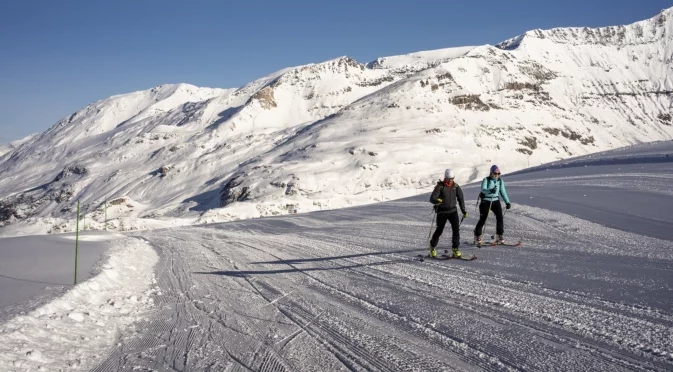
589 289
5 148
342 133
427 57
28 264
77 330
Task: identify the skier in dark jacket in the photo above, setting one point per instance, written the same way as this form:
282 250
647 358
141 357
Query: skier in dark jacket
446 196
492 188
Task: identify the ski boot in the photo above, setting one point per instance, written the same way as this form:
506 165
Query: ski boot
456 253
478 241
433 252
501 240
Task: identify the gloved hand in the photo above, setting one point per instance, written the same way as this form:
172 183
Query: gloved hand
464 214
509 206
439 200
492 191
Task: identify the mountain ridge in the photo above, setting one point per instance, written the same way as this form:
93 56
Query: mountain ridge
646 31
341 132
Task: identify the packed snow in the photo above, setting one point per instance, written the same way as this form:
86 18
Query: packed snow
77 330
28 263
588 289
342 133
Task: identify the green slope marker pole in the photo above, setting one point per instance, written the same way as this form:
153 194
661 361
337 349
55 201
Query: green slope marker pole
76 241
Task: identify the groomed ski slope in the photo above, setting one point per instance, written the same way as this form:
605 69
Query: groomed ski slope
340 290
589 289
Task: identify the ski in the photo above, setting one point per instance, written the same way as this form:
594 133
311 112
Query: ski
471 258
473 244
492 244
445 257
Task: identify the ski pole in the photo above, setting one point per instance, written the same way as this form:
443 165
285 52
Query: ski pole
431 223
503 220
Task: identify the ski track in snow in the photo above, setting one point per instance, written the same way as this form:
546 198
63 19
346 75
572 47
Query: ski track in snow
341 290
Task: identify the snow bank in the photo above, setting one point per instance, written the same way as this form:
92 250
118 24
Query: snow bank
35 269
76 330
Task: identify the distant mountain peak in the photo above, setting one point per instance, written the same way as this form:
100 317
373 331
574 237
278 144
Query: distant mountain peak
647 31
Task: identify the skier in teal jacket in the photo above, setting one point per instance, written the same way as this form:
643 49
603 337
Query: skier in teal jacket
492 188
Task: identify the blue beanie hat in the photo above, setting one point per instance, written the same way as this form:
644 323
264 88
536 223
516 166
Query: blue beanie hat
494 168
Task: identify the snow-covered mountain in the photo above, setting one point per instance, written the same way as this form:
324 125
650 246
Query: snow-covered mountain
14 144
341 132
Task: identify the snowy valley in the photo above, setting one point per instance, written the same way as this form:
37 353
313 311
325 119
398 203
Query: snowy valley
341 133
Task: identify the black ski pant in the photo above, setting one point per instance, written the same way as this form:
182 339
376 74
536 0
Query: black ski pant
483 215
442 217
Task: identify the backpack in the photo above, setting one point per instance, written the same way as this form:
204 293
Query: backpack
436 206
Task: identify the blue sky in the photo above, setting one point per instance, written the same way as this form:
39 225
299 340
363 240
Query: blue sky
58 56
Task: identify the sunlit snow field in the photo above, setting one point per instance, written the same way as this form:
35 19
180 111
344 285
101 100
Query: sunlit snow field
589 289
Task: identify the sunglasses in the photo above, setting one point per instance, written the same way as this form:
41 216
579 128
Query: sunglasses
496 173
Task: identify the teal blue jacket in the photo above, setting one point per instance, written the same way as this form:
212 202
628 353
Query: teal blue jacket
487 184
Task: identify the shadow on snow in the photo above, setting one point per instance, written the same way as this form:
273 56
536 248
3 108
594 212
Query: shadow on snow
292 269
